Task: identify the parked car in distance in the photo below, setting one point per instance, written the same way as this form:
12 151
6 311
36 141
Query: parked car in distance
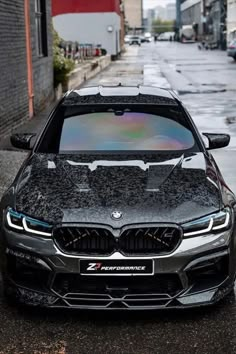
232 49
127 38
135 40
143 39
148 37
166 36
232 35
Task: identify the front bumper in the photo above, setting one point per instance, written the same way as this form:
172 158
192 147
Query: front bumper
199 272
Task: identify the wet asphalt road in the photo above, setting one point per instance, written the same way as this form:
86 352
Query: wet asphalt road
206 82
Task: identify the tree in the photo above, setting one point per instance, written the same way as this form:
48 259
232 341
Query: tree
160 26
61 65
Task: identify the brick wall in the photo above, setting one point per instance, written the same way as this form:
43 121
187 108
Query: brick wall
133 12
13 70
13 66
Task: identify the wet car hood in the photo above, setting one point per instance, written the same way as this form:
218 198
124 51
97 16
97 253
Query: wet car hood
163 188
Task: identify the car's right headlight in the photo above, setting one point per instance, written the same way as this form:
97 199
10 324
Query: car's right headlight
212 223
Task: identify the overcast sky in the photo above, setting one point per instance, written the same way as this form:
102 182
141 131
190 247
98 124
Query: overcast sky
148 4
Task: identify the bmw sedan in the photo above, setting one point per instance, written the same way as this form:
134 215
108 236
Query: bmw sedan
119 205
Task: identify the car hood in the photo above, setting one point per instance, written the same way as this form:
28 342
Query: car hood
162 188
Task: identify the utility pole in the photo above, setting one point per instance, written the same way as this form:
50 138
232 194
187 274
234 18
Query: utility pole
222 24
142 22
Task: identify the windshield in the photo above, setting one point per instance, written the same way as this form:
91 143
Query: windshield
130 131
119 130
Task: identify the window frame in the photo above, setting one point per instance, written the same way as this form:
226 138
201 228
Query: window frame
41 28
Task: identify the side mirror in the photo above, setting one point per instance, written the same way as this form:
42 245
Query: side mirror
22 141
217 141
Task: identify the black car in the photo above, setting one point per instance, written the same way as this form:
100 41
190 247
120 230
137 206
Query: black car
119 205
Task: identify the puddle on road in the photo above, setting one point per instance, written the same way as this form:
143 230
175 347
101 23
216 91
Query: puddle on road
213 84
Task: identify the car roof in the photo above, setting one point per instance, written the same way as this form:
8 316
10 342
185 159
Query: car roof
120 94
120 90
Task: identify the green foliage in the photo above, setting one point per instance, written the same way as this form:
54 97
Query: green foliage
160 26
61 65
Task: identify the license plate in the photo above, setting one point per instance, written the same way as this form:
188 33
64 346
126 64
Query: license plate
116 267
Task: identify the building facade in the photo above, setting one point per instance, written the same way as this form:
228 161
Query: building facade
215 24
231 20
26 61
89 22
192 13
122 25
150 18
211 19
134 13
170 12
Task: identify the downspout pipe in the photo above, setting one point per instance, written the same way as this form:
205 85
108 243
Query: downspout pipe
29 58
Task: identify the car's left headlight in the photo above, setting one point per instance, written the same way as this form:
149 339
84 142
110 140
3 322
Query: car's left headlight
212 223
21 222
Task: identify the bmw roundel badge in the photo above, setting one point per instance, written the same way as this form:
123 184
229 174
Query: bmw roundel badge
116 215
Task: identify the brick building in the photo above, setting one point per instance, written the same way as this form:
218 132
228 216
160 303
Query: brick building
26 63
134 13
231 20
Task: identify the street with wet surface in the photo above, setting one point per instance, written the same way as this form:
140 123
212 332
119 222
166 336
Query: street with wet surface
205 81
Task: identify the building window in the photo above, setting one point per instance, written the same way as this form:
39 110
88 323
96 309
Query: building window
41 28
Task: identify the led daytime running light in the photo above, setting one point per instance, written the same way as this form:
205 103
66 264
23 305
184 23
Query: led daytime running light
11 224
24 221
203 231
225 223
211 226
25 226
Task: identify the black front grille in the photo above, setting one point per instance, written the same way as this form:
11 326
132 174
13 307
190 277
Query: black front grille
133 241
153 240
82 240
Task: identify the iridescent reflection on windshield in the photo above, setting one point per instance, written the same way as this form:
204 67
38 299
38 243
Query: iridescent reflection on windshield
128 131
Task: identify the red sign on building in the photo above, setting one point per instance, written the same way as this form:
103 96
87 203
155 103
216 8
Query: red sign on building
60 7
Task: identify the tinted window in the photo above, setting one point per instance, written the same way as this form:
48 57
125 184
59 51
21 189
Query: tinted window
107 131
